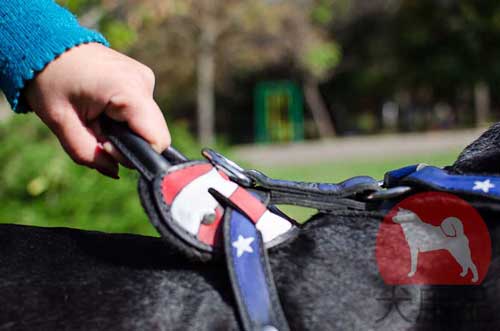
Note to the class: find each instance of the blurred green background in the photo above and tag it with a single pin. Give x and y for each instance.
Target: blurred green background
(42, 186)
(362, 68)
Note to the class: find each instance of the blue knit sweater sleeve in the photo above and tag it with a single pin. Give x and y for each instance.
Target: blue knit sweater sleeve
(32, 34)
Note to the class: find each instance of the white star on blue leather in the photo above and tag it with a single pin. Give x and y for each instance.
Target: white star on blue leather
(243, 245)
(484, 186)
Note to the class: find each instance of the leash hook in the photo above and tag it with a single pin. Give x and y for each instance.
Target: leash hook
(234, 171)
(389, 193)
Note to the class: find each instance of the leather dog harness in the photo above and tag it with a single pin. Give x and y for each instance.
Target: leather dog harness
(215, 209)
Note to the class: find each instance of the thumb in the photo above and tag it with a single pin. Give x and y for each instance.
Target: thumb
(144, 118)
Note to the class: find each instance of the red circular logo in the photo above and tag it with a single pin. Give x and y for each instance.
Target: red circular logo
(433, 238)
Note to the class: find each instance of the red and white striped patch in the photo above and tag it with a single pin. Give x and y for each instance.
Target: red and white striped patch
(186, 192)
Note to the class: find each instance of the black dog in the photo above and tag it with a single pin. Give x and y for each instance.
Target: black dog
(327, 278)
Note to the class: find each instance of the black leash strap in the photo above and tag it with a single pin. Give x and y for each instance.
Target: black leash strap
(135, 149)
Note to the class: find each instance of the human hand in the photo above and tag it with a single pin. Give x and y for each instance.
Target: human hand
(74, 89)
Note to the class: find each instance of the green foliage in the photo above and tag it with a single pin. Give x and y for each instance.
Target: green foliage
(78, 6)
(184, 141)
(40, 185)
(120, 35)
(322, 57)
(328, 12)
(322, 13)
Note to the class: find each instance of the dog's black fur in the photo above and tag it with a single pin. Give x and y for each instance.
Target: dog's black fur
(327, 279)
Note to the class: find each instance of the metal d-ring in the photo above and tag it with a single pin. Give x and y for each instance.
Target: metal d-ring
(233, 170)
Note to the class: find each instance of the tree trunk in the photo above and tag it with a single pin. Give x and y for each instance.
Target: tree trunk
(318, 108)
(206, 76)
(482, 102)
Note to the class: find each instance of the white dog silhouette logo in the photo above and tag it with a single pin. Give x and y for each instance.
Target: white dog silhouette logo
(424, 237)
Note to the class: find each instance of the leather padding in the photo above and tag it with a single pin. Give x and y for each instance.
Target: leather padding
(165, 226)
(159, 212)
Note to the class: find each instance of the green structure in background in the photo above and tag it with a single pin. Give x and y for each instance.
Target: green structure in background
(279, 112)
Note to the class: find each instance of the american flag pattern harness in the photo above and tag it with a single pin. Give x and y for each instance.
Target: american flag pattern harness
(215, 209)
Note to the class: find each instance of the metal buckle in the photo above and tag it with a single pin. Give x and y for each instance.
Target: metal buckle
(389, 193)
(236, 173)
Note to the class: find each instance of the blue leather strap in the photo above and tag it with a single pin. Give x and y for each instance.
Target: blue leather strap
(393, 177)
(250, 274)
(438, 179)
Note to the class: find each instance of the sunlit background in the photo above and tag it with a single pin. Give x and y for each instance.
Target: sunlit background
(301, 89)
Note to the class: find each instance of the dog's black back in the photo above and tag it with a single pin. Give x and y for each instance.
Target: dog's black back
(327, 279)
(56, 279)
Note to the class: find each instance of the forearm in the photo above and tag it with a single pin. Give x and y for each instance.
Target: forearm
(32, 34)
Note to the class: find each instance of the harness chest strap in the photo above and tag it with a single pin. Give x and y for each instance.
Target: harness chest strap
(320, 196)
(434, 178)
(249, 271)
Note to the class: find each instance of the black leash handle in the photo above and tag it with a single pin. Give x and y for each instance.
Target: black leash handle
(174, 156)
(136, 150)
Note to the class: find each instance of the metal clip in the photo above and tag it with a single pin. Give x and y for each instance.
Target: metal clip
(235, 172)
(390, 193)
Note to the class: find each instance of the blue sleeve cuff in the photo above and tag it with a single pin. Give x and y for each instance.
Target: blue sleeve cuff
(32, 34)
